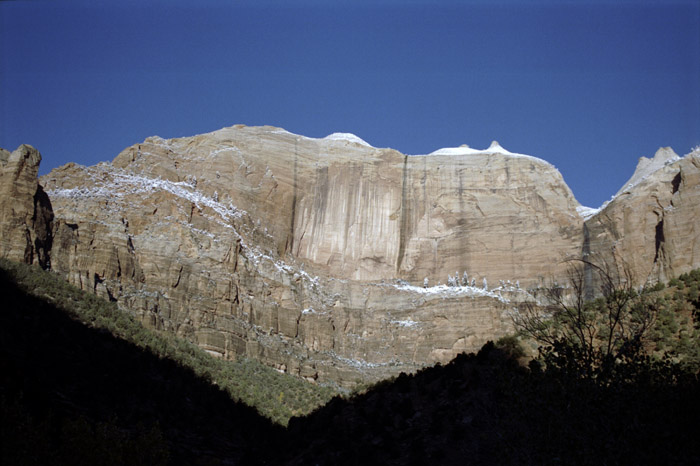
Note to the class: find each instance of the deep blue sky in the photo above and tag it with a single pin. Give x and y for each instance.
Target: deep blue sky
(587, 86)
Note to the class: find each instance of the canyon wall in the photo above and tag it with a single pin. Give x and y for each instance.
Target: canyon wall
(329, 258)
(352, 211)
(650, 229)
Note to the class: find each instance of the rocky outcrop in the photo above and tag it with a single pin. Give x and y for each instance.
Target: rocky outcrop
(25, 209)
(650, 230)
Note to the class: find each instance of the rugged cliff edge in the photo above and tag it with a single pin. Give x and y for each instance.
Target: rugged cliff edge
(650, 229)
(312, 254)
(25, 209)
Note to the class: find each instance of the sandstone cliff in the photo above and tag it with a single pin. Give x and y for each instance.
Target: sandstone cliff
(311, 254)
(326, 257)
(25, 210)
(650, 229)
(352, 211)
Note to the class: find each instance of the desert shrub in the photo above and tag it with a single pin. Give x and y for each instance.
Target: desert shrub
(675, 282)
(511, 346)
(617, 336)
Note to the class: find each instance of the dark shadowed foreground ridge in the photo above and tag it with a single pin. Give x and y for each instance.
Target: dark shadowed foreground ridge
(71, 394)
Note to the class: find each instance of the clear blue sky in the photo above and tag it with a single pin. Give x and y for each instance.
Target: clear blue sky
(587, 86)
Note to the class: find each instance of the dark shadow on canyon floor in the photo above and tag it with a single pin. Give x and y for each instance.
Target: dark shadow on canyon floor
(70, 394)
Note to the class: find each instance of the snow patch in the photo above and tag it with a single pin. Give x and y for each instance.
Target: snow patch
(493, 149)
(224, 149)
(349, 137)
(408, 323)
(280, 131)
(587, 212)
(462, 150)
(357, 363)
(450, 291)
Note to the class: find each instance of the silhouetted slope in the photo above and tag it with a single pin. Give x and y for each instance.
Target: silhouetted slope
(70, 394)
(74, 395)
(485, 409)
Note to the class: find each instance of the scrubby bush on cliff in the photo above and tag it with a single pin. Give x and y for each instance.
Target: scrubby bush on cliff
(621, 334)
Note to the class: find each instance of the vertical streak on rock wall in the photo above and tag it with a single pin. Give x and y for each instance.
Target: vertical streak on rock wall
(659, 238)
(290, 237)
(403, 233)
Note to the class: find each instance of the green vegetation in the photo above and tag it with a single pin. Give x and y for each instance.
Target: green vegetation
(677, 332)
(276, 396)
(623, 334)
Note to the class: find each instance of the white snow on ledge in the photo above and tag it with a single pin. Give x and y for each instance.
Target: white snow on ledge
(408, 323)
(587, 212)
(451, 291)
(493, 149)
(349, 137)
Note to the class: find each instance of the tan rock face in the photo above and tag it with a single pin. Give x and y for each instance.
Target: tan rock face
(356, 212)
(25, 210)
(311, 254)
(652, 226)
(289, 249)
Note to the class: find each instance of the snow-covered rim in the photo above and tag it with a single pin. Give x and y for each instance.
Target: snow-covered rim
(494, 149)
(349, 137)
(635, 180)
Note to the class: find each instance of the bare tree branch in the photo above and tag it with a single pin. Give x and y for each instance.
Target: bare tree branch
(599, 332)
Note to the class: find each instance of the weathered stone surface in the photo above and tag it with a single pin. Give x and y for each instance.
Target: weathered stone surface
(310, 254)
(289, 249)
(651, 227)
(25, 210)
(352, 211)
